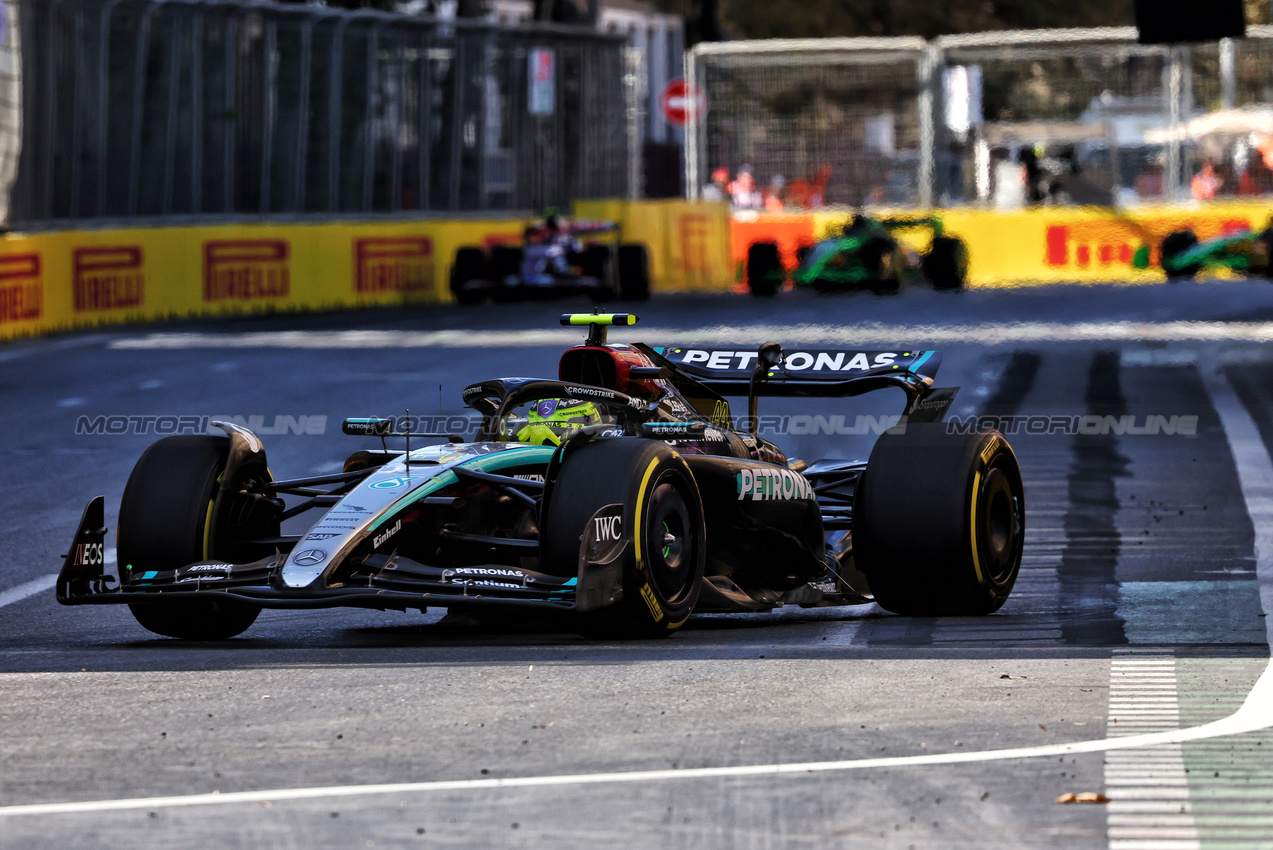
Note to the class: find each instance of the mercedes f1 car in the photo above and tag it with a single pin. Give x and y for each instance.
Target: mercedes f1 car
(865, 255)
(557, 258)
(620, 494)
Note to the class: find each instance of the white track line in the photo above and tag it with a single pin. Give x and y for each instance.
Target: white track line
(1255, 714)
(795, 334)
(31, 588)
(1148, 776)
(1255, 475)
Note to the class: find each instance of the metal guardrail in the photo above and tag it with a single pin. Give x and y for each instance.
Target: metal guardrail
(139, 109)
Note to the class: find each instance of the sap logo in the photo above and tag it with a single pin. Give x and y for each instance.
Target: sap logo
(608, 527)
(380, 539)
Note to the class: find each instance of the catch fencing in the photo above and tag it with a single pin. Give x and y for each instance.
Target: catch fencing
(149, 109)
(999, 120)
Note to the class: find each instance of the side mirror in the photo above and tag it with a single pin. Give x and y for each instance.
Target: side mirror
(769, 356)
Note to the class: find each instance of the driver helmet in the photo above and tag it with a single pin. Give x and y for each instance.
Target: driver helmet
(552, 419)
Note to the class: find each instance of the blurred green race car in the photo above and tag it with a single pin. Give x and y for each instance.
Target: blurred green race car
(1183, 256)
(866, 255)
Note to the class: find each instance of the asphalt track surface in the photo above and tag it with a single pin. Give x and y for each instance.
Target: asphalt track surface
(1138, 612)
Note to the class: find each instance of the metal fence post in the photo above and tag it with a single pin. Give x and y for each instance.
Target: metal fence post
(139, 92)
(1175, 72)
(695, 138)
(1227, 73)
(334, 114)
(77, 122)
(302, 124)
(634, 76)
(928, 103)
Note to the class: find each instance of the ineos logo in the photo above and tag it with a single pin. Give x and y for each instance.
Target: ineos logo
(89, 554)
(309, 557)
(608, 527)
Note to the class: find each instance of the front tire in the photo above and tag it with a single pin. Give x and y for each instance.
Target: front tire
(764, 269)
(165, 522)
(939, 521)
(665, 555)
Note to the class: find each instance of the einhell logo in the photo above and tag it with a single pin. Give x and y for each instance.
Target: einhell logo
(1088, 244)
(21, 292)
(246, 270)
(108, 278)
(393, 264)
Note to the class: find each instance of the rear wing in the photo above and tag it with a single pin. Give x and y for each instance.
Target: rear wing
(806, 371)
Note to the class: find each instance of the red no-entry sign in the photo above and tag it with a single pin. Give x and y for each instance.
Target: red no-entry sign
(678, 101)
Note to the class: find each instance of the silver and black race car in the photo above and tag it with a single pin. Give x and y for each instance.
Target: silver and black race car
(621, 494)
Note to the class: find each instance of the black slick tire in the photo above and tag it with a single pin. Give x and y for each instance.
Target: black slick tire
(665, 555)
(470, 264)
(764, 269)
(939, 521)
(945, 265)
(634, 273)
(1173, 245)
(165, 521)
(596, 263)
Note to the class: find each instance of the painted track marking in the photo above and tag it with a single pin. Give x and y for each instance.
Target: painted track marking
(1146, 780)
(29, 589)
(723, 335)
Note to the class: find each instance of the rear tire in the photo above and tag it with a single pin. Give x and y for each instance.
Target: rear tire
(945, 265)
(634, 273)
(662, 519)
(764, 269)
(165, 522)
(506, 260)
(470, 264)
(596, 263)
(939, 521)
(1173, 246)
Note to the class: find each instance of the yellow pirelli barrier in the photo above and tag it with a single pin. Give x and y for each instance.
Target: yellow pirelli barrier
(1033, 246)
(688, 241)
(80, 278)
(67, 279)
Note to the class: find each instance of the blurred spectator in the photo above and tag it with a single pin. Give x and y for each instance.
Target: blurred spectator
(718, 189)
(1228, 179)
(743, 191)
(1206, 182)
(809, 193)
(1149, 181)
(1257, 179)
(773, 195)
